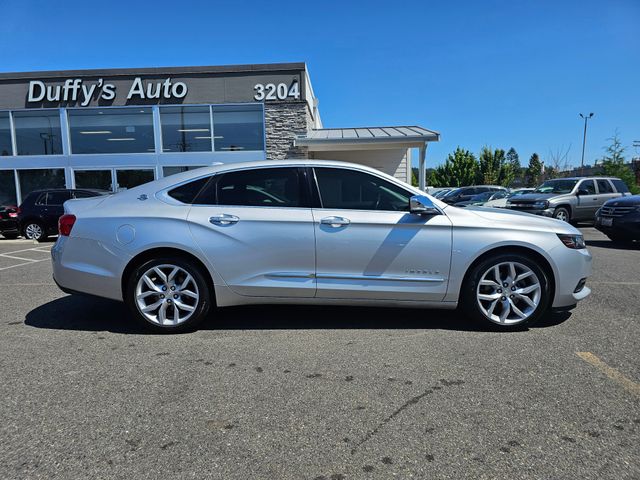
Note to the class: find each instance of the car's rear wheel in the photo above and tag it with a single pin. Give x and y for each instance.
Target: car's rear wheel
(168, 295)
(34, 231)
(509, 291)
(561, 213)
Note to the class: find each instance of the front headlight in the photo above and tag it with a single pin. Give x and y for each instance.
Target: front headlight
(544, 204)
(572, 241)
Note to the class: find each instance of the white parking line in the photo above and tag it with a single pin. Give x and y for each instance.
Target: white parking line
(25, 261)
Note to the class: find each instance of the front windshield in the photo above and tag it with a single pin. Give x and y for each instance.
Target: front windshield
(556, 186)
(452, 192)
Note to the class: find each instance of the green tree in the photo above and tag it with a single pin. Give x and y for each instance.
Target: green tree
(534, 171)
(613, 163)
(513, 159)
(459, 170)
(494, 168)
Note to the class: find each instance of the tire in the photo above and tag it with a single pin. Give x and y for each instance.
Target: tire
(34, 230)
(561, 213)
(498, 299)
(181, 312)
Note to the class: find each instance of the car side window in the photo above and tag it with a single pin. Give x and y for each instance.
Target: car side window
(57, 198)
(604, 186)
(83, 195)
(353, 190)
(621, 187)
(260, 187)
(188, 192)
(589, 186)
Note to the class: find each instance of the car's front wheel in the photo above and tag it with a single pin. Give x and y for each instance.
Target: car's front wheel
(509, 291)
(561, 213)
(168, 295)
(34, 231)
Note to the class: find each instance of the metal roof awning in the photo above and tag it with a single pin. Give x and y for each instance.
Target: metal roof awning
(373, 137)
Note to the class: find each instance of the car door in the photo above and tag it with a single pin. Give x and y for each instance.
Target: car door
(587, 200)
(255, 226)
(54, 208)
(605, 191)
(368, 245)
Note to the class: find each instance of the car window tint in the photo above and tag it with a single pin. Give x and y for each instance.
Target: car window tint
(83, 194)
(187, 193)
(620, 186)
(604, 186)
(589, 186)
(260, 187)
(57, 198)
(352, 190)
(42, 199)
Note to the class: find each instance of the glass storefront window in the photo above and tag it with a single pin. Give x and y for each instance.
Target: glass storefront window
(185, 129)
(5, 135)
(111, 130)
(238, 127)
(132, 178)
(7, 188)
(167, 171)
(100, 179)
(31, 180)
(38, 132)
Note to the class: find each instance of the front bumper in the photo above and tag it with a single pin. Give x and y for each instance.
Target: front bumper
(627, 226)
(546, 212)
(573, 266)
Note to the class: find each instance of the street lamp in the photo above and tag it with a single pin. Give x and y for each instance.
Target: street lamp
(584, 140)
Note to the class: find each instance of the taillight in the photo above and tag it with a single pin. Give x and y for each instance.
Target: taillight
(13, 214)
(65, 224)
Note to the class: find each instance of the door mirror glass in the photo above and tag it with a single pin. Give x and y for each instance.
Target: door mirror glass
(422, 205)
(583, 191)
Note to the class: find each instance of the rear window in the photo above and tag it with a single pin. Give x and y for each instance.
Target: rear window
(620, 185)
(188, 192)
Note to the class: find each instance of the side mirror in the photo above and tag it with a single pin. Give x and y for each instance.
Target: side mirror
(583, 191)
(421, 205)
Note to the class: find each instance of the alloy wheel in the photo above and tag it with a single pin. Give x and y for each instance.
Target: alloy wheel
(167, 295)
(33, 231)
(509, 293)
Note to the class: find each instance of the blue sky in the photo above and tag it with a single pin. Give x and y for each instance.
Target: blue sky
(497, 73)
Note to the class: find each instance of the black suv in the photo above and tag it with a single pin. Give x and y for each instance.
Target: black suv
(464, 194)
(39, 213)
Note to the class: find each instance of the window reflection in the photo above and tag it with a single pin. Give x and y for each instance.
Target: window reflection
(7, 188)
(185, 129)
(238, 127)
(37, 179)
(38, 132)
(5, 135)
(112, 130)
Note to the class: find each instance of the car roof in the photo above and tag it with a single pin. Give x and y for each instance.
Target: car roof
(585, 178)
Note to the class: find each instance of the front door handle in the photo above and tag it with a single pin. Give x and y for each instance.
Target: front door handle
(335, 222)
(223, 219)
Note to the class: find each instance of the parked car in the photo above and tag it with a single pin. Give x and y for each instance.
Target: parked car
(440, 192)
(9, 222)
(499, 199)
(570, 199)
(312, 232)
(480, 199)
(463, 194)
(619, 219)
(39, 213)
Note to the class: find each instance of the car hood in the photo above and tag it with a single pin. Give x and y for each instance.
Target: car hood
(514, 219)
(629, 201)
(533, 197)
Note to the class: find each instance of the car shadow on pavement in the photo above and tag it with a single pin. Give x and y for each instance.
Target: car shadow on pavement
(613, 245)
(84, 313)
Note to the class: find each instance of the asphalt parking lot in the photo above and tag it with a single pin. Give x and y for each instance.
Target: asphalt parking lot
(317, 393)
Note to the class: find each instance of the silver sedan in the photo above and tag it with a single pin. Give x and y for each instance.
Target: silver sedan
(312, 232)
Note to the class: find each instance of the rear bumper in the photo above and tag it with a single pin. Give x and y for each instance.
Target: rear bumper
(88, 266)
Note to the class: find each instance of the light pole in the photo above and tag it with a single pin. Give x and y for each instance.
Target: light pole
(584, 140)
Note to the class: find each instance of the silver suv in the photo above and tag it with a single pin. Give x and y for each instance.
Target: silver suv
(570, 199)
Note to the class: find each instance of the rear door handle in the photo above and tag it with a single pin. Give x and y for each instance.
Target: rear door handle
(335, 222)
(223, 219)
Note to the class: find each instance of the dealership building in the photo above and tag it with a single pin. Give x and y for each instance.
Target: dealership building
(115, 129)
